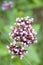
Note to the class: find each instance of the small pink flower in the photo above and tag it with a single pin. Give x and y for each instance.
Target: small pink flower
(7, 5)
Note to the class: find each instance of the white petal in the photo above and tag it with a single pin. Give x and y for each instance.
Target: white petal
(14, 42)
(20, 52)
(27, 17)
(18, 23)
(12, 57)
(9, 51)
(10, 37)
(12, 52)
(9, 33)
(17, 19)
(27, 22)
(35, 41)
(12, 27)
(7, 46)
(10, 43)
(22, 48)
(25, 44)
(22, 23)
(26, 52)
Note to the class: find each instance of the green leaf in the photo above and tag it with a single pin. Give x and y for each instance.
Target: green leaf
(32, 56)
(36, 27)
(3, 49)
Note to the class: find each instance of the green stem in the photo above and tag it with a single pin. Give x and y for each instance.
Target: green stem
(27, 61)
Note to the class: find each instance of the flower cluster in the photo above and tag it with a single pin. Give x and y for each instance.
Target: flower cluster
(23, 33)
(6, 5)
(16, 50)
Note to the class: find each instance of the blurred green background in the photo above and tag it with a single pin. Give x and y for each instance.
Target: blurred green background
(32, 8)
